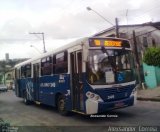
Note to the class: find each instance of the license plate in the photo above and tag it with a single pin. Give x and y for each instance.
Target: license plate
(119, 104)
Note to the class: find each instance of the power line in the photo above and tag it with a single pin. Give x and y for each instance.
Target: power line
(144, 33)
(142, 15)
(149, 10)
(134, 29)
(10, 39)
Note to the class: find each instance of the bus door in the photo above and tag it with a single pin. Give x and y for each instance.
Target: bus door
(17, 82)
(36, 81)
(76, 80)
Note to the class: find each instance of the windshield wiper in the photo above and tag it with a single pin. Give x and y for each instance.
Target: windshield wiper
(104, 50)
(110, 58)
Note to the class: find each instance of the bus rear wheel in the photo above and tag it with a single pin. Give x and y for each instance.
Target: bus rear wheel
(61, 105)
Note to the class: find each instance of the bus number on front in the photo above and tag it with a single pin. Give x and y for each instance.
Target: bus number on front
(110, 97)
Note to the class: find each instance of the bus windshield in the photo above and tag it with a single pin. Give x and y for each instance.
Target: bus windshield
(113, 67)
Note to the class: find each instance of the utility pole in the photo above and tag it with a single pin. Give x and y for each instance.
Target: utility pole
(135, 47)
(117, 28)
(44, 48)
(137, 58)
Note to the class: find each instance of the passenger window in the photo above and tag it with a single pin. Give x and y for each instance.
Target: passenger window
(46, 66)
(61, 65)
(23, 73)
(26, 71)
(54, 64)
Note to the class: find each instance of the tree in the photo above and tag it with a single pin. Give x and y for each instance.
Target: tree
(3, 69)
(152, 56)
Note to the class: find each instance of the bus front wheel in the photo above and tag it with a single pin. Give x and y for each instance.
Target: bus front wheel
(61, 105)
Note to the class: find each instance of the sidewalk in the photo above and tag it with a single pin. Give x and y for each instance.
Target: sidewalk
(149, 94)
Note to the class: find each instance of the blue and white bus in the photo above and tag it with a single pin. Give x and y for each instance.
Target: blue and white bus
(88, 76)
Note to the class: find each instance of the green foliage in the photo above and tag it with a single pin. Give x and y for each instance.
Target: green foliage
(4, 126)
(152, 56)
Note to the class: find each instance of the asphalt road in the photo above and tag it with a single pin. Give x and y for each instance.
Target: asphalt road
(14, 111)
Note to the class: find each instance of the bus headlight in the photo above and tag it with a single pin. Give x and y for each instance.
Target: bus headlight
(134, 91)
(93, 96)
(97, 97)
(134, 94)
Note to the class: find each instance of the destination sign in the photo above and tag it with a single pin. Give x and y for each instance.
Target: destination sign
(113, 43)
(107, 42)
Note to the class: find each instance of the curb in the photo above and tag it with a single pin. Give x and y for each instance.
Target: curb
(148, 99)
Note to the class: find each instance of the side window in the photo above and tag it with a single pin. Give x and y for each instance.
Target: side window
(46, 66)
(26, 71)
(61, 61)
(23, 72)
(54, 64)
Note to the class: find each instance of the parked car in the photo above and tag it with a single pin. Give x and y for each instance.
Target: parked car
(3, 88)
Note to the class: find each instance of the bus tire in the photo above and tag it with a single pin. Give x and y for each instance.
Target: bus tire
(25, 100)
(61, 105)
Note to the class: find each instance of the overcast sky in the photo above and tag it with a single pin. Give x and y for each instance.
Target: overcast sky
(63, 21)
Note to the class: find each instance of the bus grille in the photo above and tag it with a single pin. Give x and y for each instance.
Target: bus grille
(113, 94)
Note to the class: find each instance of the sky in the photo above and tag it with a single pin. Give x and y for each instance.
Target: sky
(63, 21)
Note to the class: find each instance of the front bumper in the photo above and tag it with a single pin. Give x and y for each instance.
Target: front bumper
(93, 107)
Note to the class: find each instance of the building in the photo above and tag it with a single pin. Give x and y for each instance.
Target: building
(9, 78)
(147, 35)
(7, 57)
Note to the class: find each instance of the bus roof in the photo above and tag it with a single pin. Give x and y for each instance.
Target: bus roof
(74, 43)
(69, 45)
